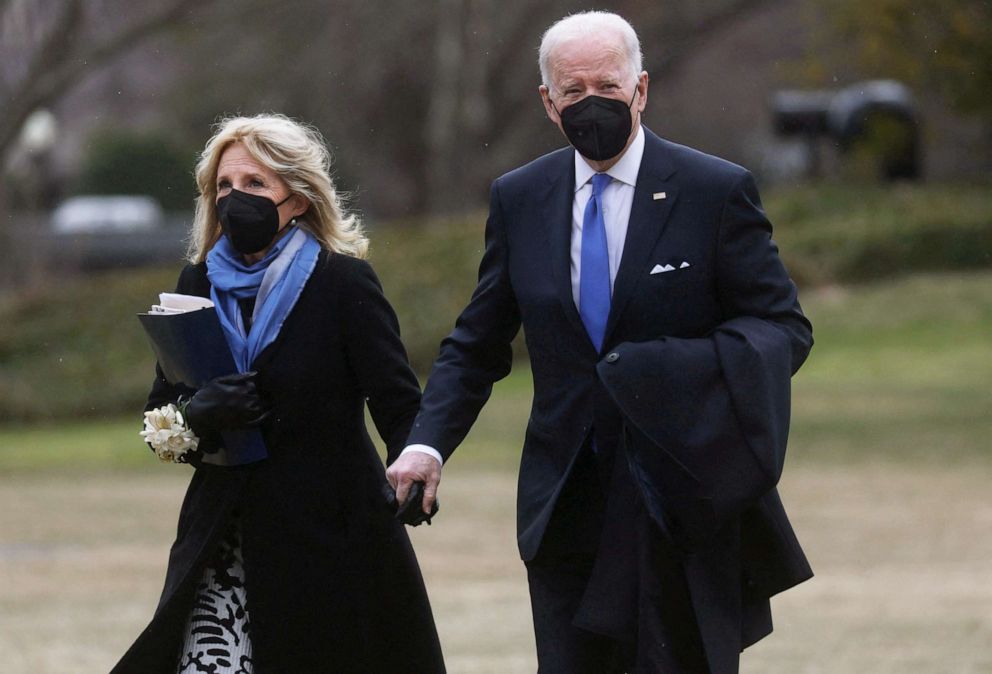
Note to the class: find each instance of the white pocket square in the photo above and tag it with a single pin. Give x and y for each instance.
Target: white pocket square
(659, 268)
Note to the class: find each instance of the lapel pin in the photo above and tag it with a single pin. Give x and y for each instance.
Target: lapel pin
(659, 195)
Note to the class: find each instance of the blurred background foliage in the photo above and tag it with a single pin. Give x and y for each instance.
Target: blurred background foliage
(73, 349)
(940, 46)
(424, 104)
(129, 162)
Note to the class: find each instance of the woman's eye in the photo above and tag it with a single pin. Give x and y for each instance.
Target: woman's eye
(223, 185)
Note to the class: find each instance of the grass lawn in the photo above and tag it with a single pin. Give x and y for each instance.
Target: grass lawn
(901, 553)
(900, 370)
(887, 485)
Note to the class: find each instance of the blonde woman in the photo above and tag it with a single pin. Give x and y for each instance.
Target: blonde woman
(294, 563)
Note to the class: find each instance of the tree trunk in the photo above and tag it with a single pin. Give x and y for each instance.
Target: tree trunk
(442, 119)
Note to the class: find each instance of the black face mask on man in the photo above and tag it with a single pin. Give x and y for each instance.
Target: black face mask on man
(250, 221)
(597, 127)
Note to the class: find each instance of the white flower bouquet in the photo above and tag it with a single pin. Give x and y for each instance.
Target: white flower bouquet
(167, 433)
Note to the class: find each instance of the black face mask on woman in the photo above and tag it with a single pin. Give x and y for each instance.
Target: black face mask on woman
(597, 127)
(250, 221)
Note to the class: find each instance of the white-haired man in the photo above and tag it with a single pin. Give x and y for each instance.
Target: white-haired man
(662, 330)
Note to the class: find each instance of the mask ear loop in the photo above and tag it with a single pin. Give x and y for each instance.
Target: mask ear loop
(292, 220)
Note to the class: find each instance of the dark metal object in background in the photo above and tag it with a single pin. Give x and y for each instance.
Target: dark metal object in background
(880, 116)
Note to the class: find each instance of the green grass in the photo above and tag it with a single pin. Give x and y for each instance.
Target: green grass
(75, 348)
(900, 370)
(76, 446)
(844, 233)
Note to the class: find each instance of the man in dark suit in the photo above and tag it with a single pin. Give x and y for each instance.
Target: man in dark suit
(662, 330)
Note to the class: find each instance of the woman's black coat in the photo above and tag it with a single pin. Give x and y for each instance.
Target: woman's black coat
(331, 579)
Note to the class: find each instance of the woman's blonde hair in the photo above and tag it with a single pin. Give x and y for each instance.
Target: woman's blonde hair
(297, 153)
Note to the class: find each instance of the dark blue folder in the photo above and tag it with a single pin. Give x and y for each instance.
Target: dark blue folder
(191, 350)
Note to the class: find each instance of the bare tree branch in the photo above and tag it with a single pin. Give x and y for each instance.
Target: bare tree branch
(57, 46)
(53, 51)
(710, 24)
(57, 67)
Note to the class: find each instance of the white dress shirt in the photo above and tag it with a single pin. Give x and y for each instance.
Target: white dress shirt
(617, 199)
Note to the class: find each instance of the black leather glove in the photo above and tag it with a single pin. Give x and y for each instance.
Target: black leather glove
(226, 403)
(412, 510)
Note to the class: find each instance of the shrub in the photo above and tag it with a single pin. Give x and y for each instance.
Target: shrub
(124, 162)
(74, 349)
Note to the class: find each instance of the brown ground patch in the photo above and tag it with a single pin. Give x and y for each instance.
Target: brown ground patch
(903, 555)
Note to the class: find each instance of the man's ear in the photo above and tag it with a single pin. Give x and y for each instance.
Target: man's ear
(549, 109)
(642, 90)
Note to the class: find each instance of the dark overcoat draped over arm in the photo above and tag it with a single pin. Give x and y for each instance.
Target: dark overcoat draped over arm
(332, 583)
(707, 422)
(705, 426)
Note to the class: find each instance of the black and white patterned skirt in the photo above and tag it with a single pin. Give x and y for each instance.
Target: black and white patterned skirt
(217, 638)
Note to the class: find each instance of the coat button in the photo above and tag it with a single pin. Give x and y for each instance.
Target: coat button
(612, 357)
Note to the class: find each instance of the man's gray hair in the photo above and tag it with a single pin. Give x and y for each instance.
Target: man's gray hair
(585, 25)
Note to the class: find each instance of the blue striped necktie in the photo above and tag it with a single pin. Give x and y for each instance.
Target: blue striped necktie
(594, 273)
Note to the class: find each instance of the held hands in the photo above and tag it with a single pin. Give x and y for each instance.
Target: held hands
(226, 403)
(411, 511)
(413, 467)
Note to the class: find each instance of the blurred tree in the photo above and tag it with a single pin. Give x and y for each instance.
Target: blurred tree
(424, 103)
(49, 46)
(125, 162)
(942, 46)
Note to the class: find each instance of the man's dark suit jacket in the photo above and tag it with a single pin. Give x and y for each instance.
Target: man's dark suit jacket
(692, 386)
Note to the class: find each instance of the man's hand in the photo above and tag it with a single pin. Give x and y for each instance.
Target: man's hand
(415, 467)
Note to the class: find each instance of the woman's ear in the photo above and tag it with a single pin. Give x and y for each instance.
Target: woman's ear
(300, 205)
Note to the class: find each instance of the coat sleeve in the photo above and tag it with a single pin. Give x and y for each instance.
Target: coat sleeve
(191, 281)
(751, 280)
(477, 353)
(378, 358)
(707, 418)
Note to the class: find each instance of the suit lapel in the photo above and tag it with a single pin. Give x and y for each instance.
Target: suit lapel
(558, 226)
(648, 217)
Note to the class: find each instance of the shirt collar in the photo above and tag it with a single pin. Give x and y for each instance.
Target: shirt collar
(624, 170)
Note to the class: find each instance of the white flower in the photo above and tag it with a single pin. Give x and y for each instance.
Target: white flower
(167, 433)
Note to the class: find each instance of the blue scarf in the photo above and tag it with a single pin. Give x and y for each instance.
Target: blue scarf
(275, 281)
